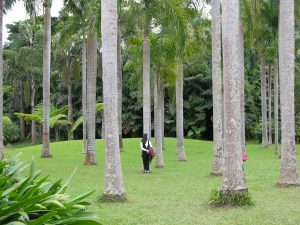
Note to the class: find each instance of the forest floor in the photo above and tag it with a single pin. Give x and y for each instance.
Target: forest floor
(178, 193)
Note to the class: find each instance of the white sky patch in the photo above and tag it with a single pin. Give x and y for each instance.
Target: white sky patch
(17, 13)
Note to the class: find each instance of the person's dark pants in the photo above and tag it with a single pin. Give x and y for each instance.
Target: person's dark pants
(146, 160)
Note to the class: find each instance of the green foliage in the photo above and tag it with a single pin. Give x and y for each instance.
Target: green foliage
(34, 201)
(57, 116)
(11, 133)
(219, 198)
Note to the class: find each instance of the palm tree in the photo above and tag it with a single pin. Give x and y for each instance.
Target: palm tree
(1, 81)
(288, 170)
(91, 93)
(270, 105)
(146, 73)
(46, 153)
(113, 188)
(233, 175)
(217, 87)
(179, 112)
(84, 96)
(276, 101)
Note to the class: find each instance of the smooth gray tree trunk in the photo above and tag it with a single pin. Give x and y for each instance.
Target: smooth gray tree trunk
(120, 81)
(70, 106)
(84, 99)
(233, 174)
(270, 106)
(276, 102)
(46, 153)
(32, 105)
(217, 89)
(91, 97)
(263, 101)
(22, 121)
(179, 112)
(163, 114)
(288, 169)
(113, 185)
(146, 76)
(1, 80)
(157, 121)
(242, 87)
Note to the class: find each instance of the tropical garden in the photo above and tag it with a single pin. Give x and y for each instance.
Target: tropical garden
(214, 84)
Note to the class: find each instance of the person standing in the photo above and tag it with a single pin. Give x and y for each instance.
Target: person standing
(145, 146)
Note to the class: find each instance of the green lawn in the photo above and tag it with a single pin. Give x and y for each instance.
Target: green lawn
(178, 193)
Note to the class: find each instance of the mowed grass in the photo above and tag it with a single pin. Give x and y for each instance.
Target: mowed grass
(178, 193)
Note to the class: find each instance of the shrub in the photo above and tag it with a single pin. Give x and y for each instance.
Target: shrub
(219, 198)
(33, 200)
(11, 133)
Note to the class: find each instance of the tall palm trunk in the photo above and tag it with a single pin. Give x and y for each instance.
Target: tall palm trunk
(84, 90)
(157, 121)
(32, 105)
(70, 105)
(179, 112)
(270, 106)
(276, 101)
(163, 114)
(242, 87)
(22, 122)
(113, 188)
(1, 81)
(233, 175)
(288, 170)
(46, 153)
(263, 101)
(91, 97)
(146, 75)
(120, 87)
(217, 89)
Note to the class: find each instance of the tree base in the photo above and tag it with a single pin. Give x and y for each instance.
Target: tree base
(182, 160)
(280, 185)
(216, 174)
(90, 159)
(220, 198)
(113, 198)
(159, 166)
(46, 156)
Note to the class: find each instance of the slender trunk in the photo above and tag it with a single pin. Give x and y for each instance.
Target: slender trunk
(146, 76)
(46, 153)
(179, 112)
(270, 105)
(22, 122)
(1, 81)
(32, 104)
(103, 127)
(276, 101)
(91, 97)
(242, 87)
(119, 83)
(263, 101)
(233, 174)
(217, 89)
(70, 107)
(84, 89)
(114, 187)
(163, 115)
(157, 122)
(57, 133)
(288, 170)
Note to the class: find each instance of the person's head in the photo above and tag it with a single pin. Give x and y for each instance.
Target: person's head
(144, 138)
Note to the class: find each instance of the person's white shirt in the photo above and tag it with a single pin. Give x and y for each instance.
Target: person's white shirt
(148, 144)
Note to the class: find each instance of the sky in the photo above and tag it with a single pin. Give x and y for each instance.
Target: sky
(18, 13)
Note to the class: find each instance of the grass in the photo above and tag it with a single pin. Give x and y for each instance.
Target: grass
(177, 194)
